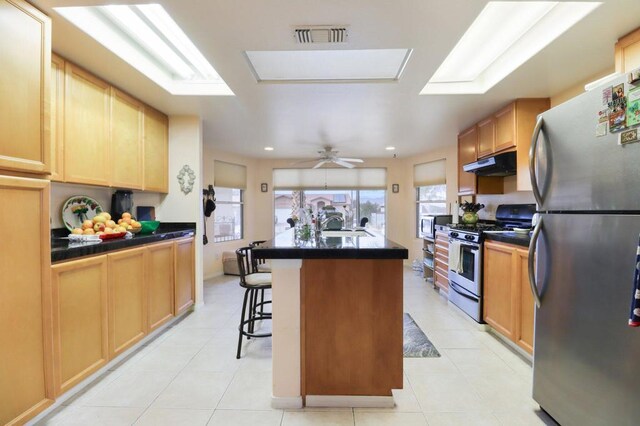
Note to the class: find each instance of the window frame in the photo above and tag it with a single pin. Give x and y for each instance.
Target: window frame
(420, 201)
(230, 203)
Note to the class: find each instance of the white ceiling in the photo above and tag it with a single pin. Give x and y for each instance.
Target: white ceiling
(358, 119)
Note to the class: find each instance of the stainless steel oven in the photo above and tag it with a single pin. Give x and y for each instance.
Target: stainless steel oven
(465, 281)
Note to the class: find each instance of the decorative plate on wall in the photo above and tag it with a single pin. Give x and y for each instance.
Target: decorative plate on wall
(77, 209)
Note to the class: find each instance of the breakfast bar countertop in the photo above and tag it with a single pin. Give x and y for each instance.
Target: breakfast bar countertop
(286, 246)
(62, 249)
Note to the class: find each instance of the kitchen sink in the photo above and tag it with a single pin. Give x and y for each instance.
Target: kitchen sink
(346, 233)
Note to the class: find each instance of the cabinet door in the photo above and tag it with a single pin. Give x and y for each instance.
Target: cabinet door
(627, 52)
(526, 305)
(499, 294)
(467, 143)
(156, 151)
(86, 128)
(505, 128)
(442, 261)
(80, 320)
(26, 379)
(486, 137)
(185, 274)
(127, 299)
(160, 279)
(126, 141)
(25, 55)
(57, 118)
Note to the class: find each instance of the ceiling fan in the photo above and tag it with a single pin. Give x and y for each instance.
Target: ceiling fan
(331, 156)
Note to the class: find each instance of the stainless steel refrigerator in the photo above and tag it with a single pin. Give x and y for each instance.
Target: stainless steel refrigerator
(586, 358)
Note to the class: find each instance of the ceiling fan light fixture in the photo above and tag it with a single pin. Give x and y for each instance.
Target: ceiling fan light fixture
(390, 148)
(268, 148)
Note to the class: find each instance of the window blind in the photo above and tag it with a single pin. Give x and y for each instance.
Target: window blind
(229, 175)
(342, 178)
(431, 173)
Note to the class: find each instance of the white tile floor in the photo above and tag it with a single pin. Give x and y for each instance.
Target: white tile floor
(189, 376)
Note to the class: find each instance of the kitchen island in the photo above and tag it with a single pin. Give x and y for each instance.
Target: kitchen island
(337, 320)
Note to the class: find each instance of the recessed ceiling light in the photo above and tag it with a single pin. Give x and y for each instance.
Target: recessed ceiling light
(148, 39)
(390, 148)
(268, 148)
(328, 65)
(504, 36)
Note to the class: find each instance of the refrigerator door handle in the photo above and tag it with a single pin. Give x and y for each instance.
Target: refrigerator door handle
(532, 160)
(531, 262)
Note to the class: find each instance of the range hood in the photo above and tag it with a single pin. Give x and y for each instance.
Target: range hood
(498, 165)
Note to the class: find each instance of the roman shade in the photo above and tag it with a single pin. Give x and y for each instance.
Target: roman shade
(359, 178)
(229, 175)
(431, 173)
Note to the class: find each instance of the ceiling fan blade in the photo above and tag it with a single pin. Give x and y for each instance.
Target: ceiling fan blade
(353, 160)
(305, 161)
(320, 164)
(344, 163)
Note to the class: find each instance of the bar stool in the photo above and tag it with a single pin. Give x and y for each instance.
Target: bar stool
(260, 263)
(253, 281)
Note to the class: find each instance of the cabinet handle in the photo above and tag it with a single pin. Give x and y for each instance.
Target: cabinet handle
(531, 263)
(532, 161)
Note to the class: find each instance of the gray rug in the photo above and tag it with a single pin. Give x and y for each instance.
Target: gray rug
(416, 344)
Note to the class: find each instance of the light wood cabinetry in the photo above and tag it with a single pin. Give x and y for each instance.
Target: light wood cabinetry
(80, 301)
(185, 274)
(26, 367)
(441, 270)
(486, 137)
(57, 118)
(156, 150)
(160, 283)
(86, 128)
(469, 183)
(127, 299)
(508, 303)
(25, 48)
(126, 141)
(627, 52)
(505, 137)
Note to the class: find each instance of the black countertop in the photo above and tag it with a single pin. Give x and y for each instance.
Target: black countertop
(284, 246)
(510, 237)
(62, 249)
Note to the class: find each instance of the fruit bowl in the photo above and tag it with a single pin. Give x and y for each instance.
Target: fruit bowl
(149, 226)
(111, 236)
(134, 230)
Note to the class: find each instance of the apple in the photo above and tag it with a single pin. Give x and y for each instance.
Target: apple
(107, 215)
(99, 219)
(87, 224)
(126, 215)
(99, 227)
(108, 231)
(89, 231)
(77, 231)
(110, 224)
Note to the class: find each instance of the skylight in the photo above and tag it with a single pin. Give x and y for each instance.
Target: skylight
(504, 36)
(328, 65)
(148, 39)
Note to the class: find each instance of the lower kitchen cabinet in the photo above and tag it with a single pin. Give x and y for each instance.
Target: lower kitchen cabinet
(127, 299)
(26, 368)
(441, 271)
(508, 304)
(80, 300)
(160, 283)
(185, 274)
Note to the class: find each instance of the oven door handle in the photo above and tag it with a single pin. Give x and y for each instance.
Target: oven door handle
(453, 287)
(472, 248)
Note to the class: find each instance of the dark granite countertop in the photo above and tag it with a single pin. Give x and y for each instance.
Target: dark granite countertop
(510, 237)
(284, 246)
(62, 250)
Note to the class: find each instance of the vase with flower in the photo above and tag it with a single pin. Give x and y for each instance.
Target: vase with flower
(470, 212)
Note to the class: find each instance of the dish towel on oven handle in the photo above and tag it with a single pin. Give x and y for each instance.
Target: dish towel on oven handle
(455, 257)
(634, 319)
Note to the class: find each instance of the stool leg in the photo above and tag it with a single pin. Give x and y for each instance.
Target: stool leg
(262, 301)
(240, 328)
(252, 312)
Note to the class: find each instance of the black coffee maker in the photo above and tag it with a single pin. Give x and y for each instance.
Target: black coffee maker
(121, 202)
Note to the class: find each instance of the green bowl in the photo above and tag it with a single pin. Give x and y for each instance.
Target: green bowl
(149, 226)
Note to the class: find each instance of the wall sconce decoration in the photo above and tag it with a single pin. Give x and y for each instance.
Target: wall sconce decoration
(395, 188)
(264, 187)
(186, 186)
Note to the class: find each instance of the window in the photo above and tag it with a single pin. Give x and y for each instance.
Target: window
(227, 225)
(354, 204)
(431, 190)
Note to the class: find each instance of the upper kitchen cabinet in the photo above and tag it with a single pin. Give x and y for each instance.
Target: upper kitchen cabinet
(156, 150)
(627, 52)
(86, 128)
(57, 118)
(486, 137)
(505, 125)
(25, 55)
(126, 141)
(469, 183)
(525, 114)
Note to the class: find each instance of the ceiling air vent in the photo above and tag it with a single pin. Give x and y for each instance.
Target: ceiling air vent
(321, 34)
